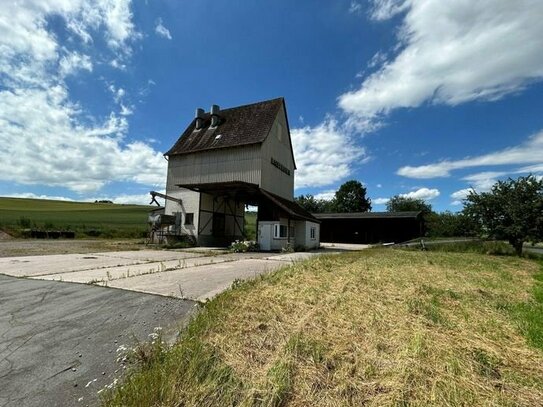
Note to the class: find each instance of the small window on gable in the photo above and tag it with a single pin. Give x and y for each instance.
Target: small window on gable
(313, 233)
(279, 231)
(189, 219)
(279, 132)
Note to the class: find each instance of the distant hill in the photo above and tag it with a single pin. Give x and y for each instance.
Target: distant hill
(87, 219)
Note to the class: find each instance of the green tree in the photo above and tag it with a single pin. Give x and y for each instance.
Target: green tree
(400, 203)
(312, 204)
(512, 211)
(351, 197)
(450, 224)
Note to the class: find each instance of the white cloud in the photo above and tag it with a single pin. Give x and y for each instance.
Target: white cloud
(483, 181)
(379, 186)
(375, 60)
(54, 149)
(119, 22)
(32, 195)
(530, 152)
(324, 154)
(385, 9)
(460, 195)
(135, 199)
(161, 30)
(73, 62)
(126, 110)
(355, 7)
(126, 199)
(118, 93)
(119, 96)
(425, 194)
(380, 201)
(450, 52)
(117, 64)
(326, 195)
(46, 138)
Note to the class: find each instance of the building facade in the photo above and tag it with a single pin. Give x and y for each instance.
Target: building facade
(227, 159)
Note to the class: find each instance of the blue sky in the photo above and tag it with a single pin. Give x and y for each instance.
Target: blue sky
(422, 98)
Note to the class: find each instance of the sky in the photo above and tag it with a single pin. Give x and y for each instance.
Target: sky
(421, 98)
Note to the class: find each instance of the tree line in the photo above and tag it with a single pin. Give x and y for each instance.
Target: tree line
(512, 210)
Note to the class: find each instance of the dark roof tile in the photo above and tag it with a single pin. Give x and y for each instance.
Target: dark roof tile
(242, 125)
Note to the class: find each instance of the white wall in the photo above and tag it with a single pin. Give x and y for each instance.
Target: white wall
(302, 235)
(309, 242)
(266, 232)
(190, 204)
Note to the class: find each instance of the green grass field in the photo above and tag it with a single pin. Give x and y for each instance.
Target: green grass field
(375, 328)
(250, 225)
(86, 219)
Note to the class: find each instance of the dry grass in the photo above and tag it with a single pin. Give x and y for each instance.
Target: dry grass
(373, 328)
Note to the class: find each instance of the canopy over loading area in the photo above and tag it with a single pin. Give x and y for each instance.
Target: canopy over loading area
(370, 227)
(270, 206)
(219, 211)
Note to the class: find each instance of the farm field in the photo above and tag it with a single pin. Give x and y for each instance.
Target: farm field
(377, 327)
(86, 219)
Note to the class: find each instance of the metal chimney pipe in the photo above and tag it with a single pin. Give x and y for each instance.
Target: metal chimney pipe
(215, 118)
(199, 118)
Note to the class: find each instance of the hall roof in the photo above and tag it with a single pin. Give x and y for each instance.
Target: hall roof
(368, 215)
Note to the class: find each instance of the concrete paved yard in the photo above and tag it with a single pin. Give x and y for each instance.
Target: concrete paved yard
(196, 275)
(59, 341)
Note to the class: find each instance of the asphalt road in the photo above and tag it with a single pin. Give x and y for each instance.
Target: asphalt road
(59, 341)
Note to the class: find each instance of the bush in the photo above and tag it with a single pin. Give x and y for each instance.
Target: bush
(24, 223)
(180, 242)
(242, 246)
(93, 232)
(449, 224)
(492, 247)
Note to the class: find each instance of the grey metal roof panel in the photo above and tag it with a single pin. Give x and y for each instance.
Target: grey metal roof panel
(291, 207)
(367, 215)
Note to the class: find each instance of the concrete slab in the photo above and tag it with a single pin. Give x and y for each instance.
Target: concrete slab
(151, 255)
(298, 256)
(342, 247)
(59, 341)
(108, 274)
(198, 283)
(64, 263)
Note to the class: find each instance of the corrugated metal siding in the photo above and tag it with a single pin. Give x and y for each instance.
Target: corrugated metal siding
(229, 164)
(277, 145)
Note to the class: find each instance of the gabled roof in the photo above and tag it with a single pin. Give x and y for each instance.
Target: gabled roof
(368, 215)
(239, 126)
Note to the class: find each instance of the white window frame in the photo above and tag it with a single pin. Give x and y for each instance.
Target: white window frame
(277, 228)
(313, 233)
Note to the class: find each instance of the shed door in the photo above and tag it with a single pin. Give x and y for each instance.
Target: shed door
(219, 224)
(264, 236)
